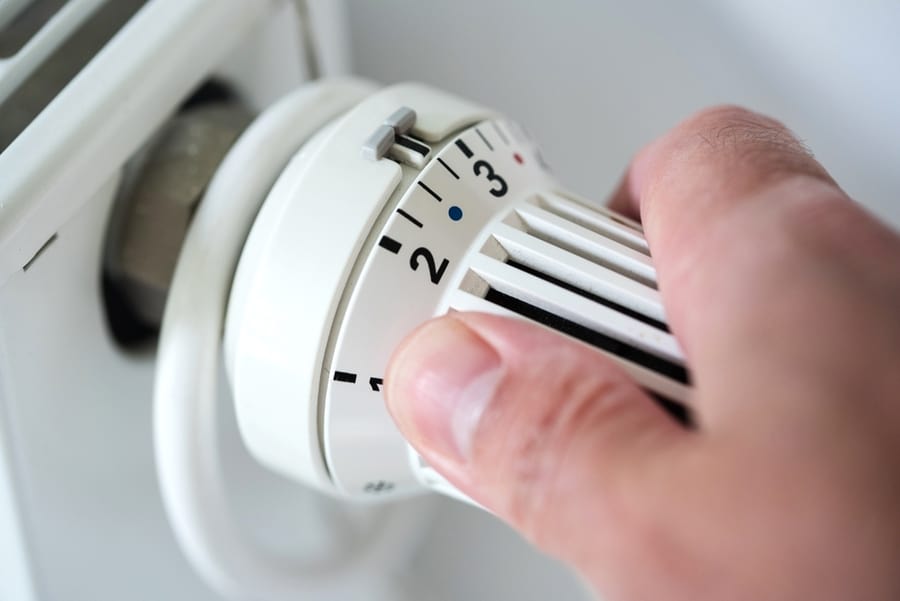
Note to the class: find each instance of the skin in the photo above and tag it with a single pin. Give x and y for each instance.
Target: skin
(785, 296)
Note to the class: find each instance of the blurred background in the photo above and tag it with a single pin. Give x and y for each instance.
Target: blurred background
(596, 80)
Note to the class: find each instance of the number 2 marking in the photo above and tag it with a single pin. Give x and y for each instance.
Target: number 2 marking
(434, 272)
(482, 166)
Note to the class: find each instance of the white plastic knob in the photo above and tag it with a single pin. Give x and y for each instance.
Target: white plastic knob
(370, 231)
(401, 204)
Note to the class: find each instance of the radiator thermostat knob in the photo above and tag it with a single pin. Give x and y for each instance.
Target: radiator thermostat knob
(413, 203)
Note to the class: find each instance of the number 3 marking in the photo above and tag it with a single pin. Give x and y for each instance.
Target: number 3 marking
(484, 167)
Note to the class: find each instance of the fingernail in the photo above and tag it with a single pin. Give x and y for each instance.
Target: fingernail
(439, 384)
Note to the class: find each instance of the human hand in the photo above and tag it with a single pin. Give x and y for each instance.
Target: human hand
(785, 297)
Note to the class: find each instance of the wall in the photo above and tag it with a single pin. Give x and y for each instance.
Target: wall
(595, 80)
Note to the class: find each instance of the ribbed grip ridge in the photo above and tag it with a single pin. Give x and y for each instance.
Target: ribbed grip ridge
(587, 273)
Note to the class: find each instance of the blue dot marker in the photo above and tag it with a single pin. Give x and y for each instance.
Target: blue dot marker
(455, 213)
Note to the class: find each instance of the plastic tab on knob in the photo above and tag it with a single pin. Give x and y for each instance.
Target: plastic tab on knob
(378, 143)
(401, 120)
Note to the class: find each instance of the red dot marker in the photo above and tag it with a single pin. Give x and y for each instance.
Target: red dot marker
(518, 158)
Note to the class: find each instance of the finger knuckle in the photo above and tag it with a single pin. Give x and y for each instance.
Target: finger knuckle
(764, 145)
(731, 127)
(737, 119)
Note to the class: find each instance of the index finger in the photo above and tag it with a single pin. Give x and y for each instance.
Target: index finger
(717, 197)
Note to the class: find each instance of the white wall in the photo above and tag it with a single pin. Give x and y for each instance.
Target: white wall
(595, 80)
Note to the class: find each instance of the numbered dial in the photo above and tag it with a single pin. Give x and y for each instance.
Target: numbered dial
(414, 203)
(414, 260)
(481, 228)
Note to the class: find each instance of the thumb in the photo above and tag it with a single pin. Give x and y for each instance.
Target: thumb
(544, 431)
